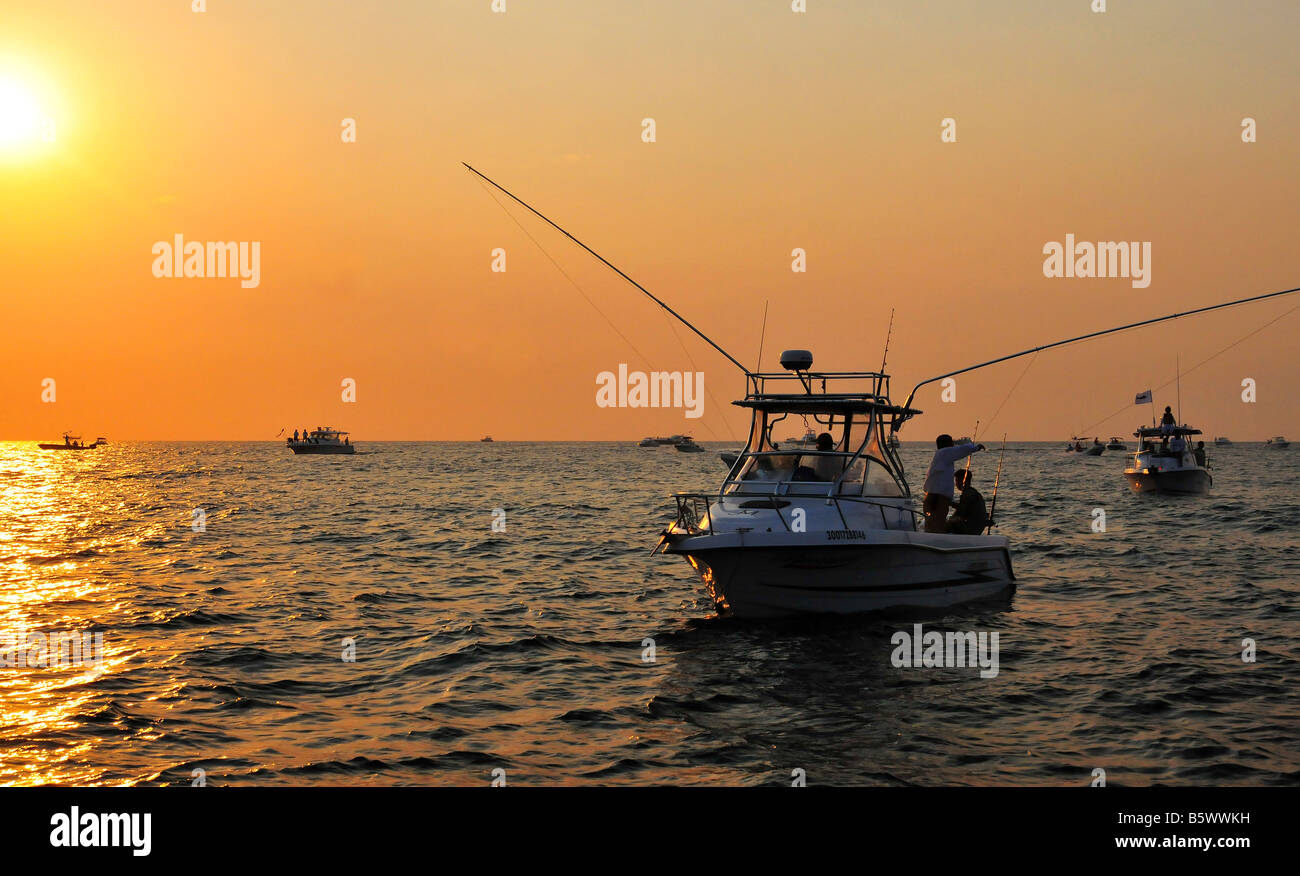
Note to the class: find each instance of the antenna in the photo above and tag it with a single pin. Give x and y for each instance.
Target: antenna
(762, 337)
(609, 265)
(1178, 377)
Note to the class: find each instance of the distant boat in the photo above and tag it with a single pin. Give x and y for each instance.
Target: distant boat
(649, 442)
(809, 440)
(72, 442)
(1157, 467)
(322, 441)
(1278, 443)
(485, 438)
(1223, 442)
(894, 442)
(687, 445)
(1094, 449)
(1116, 444)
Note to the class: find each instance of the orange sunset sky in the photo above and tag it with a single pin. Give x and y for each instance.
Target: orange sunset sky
(774, 130)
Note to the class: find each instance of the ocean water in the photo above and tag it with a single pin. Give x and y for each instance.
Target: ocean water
(522, 650)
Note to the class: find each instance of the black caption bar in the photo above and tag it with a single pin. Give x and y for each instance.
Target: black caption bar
(144, 825)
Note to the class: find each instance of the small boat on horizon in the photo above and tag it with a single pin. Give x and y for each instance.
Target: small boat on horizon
(808, 440)
(72, 442)
(1222, 442)
(1078, 446)
(1116, 444)
(687, 445)
(321, 441)
(1277, 443)
(485, 439)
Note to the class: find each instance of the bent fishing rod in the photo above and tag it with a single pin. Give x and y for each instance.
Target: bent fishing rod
(608, 264)
(1132, 325)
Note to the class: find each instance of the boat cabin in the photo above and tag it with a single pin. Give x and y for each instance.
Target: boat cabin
(851, 454)
(1165, 447)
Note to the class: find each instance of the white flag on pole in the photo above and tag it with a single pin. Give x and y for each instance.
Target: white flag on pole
(1143, 398)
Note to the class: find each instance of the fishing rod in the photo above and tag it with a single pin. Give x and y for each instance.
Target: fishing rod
(609, 265)
(888, 334)
(912, 394)
(997, 480)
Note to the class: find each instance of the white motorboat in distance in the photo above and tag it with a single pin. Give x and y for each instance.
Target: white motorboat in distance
(1278, 443)
(799, 531)
(1116, 444)
(322, 441)
(1166, 463)
(809, 440)
(687, 445)
(1222, 442)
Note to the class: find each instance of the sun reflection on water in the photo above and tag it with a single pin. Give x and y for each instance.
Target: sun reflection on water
(51, 522)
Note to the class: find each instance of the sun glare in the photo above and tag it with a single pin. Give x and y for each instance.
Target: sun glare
(21, 120)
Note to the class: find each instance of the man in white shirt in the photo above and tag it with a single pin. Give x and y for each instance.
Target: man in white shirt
(939, 481)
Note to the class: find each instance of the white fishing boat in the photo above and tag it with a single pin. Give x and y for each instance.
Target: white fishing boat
(1277, 443)
(1222, 442)
(1165, 462)
(797, 531)
(321, 441)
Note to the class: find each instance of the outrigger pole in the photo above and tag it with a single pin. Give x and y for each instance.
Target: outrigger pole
(1121, 328)
(609, 265)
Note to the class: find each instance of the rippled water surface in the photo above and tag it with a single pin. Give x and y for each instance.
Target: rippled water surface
(223, 650)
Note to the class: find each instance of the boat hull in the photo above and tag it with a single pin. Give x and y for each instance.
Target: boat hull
(65, 447)
(323, 449)
(914, 570)
(1190, 481)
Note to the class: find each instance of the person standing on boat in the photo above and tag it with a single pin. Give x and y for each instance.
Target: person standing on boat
(1199, 453)
(972, 515)
(939, 481)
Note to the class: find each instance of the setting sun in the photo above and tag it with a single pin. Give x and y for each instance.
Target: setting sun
(20, 114)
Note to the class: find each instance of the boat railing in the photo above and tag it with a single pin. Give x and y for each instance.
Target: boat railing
(871, 384)
(694, 508)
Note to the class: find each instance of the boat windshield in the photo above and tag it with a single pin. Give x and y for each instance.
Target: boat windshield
(859, 466)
